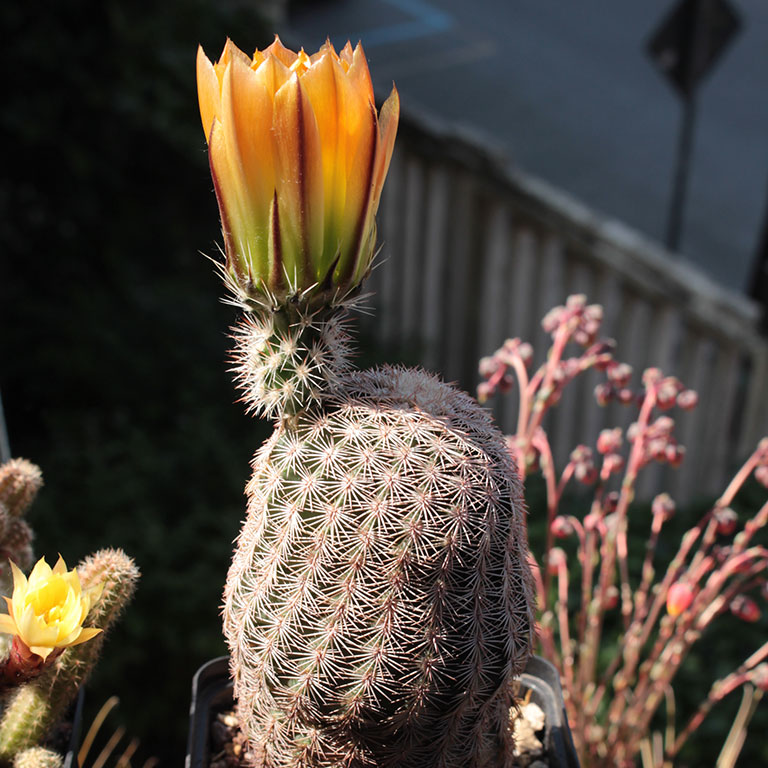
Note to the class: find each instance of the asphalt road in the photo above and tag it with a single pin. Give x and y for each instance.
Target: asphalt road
(568, 90)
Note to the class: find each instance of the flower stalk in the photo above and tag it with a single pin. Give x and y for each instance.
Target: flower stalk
(611, 703)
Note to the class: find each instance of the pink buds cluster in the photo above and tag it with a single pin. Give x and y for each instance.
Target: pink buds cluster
(659, 444)
(498, 369)
(583, 461)
(581, 319)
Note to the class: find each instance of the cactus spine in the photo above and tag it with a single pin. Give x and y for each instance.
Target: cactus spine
(37, 705)
(379, 600)
(38, 757)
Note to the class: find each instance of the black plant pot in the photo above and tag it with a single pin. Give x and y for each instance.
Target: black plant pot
(212, 691)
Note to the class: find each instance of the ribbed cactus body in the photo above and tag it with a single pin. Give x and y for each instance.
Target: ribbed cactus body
(379, 601)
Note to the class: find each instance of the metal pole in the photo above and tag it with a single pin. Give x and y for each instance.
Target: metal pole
(5, 446)
(680, 184)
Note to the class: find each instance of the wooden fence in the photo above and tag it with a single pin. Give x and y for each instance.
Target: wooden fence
(474, 253)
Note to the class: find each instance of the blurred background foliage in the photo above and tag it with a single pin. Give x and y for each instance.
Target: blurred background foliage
(113, 343)
(112, 339)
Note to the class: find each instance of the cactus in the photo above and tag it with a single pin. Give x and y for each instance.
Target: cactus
(20, 481)
(379, 601)
(38, 757)
(37, 705)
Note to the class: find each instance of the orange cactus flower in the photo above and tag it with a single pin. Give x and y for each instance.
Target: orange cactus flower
(298, 156)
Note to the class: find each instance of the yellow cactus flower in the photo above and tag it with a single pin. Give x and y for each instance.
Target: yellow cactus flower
(298, 156)
(47, 610)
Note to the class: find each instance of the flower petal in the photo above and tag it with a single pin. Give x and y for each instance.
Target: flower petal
(298, 180)
(208, 91)
(8, 625)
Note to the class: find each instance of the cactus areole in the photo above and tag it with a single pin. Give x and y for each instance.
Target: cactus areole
(379, 601)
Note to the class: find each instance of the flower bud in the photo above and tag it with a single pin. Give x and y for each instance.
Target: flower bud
(745, 608)
(561, 527)
(664, 506)
(609, 440)
(687, 400)
(726, 520)
(679, 598)
(298, 156)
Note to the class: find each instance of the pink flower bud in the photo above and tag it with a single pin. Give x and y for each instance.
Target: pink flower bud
(613, 463)
(488, 366)
(611, 598)
(679, 598)
(484, 392)
(619, 374)
(609, 440)
(555, 560)
(561, 527)
(592, 521)
(687, 400)
(625, 396)
(745, 608)
(552, 319)
(664, 506)
(576, 301)
(651, 376)
(526, 353)
(759, 676)
(603, 394)
(610, 502)
(675, 455)
(727, 520)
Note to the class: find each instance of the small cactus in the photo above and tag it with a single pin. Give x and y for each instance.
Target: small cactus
(35, 706)
(38, 757)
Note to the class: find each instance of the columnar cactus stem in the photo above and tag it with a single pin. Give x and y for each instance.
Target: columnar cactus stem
(36, 706)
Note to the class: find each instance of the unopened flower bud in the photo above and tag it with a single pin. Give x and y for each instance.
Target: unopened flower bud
(613, 463)
(759, 676)
(552, 319)
(609, 440)
(525, 351)
(610, 502)
(611, 598)
(687, 400)
(556, 560)
(619, 374)
(651, 376)
(484, 391)
(675, 455)
(592, 521)
(745, 608)
(488, 366)
(561, 527)
(727, 520)
(625, 396)
(679, 598)
(603, 394)
(664, 506)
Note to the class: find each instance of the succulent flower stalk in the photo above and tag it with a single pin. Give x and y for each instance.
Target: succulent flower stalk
(298, 156)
